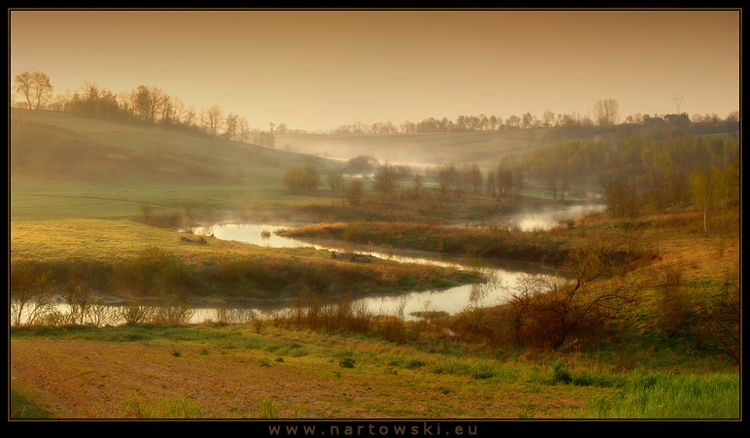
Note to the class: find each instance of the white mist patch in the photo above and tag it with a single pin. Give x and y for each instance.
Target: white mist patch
(545, 220)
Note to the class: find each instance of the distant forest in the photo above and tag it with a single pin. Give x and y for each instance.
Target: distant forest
(151, 104)
(659, 161)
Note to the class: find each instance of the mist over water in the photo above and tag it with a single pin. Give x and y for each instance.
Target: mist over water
(503, 275)
(545, 220)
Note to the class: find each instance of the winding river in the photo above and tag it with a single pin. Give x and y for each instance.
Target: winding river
(503, 275)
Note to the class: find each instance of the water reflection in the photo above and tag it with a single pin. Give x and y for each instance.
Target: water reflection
(256, 234)
(502, 275)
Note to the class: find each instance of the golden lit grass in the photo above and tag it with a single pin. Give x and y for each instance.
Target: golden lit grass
(232, 372)
(93, 239)
(229, 371)
(472, 241)
(123, 255)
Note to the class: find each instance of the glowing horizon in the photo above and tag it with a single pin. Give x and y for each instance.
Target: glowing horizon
(317, 70)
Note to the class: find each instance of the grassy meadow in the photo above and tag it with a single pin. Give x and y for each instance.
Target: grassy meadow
(482, 147)
(280, 372)
(98, 206)
(63, 166)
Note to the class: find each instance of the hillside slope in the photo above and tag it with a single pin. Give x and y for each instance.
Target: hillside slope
(65, 166)
(53, 145)
(483, 147)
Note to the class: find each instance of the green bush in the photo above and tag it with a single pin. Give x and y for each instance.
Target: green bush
(560, 373)
(347, 362)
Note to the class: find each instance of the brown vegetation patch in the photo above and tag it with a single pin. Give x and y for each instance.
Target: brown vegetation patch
(92, 380)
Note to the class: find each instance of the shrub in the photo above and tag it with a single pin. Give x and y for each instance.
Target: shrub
(560, 373)
(415, 363)
(155, 271)
(720, 318)
(299, 179)
(30, 300)
(672, 302)
(78, 297)
(135, 312)
(393, 329)
(347, 362)
(172, 313)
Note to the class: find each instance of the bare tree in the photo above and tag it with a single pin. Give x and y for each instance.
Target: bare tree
(354, 192)
(527, 121)
(702, 185)
(128, 101)
(178, 107)
(417, 184)
(244, 129)
(29, 298)
(513, 122)
(34, 86)
(607, 112)
(547, 312)
(548, 118)
(721, 316)
(232, 123)
(474, 175)
(150, 101)
(61, 101)
(335, 180)
(24, 85)
(385, 180)
(213, 119)
(448, 178)
(42, 88)
(190, 116)
(166, 111)
(78, 297)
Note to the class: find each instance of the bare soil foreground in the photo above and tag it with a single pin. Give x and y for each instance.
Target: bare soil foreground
(85, 379)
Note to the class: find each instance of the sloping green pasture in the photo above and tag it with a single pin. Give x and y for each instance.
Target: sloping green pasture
(483, 147)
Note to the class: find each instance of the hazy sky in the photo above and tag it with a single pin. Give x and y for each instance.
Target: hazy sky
(321, 69)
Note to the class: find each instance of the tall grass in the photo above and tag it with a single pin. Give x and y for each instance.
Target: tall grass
(666, 396)
(473, 241)
(25, 406)
(135, 407)
(269, 408)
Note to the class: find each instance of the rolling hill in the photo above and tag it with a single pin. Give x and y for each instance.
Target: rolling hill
(64, 166)
(52, 145)
(482, 147)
